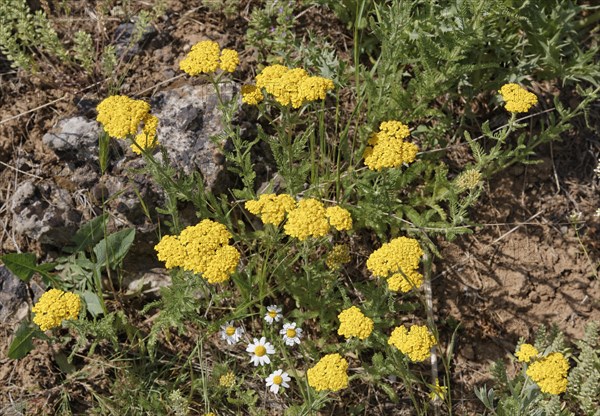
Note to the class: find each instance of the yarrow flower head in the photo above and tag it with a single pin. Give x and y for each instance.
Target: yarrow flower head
(259, 351)
(205, 57)
(227, 380)
(251, 95)
(415, 343)
(273, 314)
(53, 307)
(517, 98)
(387, 148)
(550, 373)
(526, 353)
(229, 60)
(353, 323)
(339, 254)
(398, 261)
(292, 86)
(308, 219)
(339, 218)
(271, 208)
(121, 116)
(329, 373)
(291, 334)
(276, 380)
(469, 179)
(230, 333)
(202, 248)
(147, 138)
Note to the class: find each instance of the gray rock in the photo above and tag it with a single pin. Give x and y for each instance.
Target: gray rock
(74, 140)
(189, 116)
(13, 297)
(146, 283)
(44, 212)
(124, 39)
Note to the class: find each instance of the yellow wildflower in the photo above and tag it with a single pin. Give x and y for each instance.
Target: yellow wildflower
(202, 248)
(146, 139)
(517, 98)
(307, 220)
(353, 323)
(287, 91)
(438, 392)
(469, 179)
(399, 282)
(203, 58)
(526, 353)
(550, 373)
(388, 149)
(251, 95)
(54, 306)
(271, 208)
(339, 218)
(314, 88)
(402, 254)
(339, 254)
(120, 115)
(269, 78)
(229, 60)
(227, 380)
(329, 373)
(416, 343)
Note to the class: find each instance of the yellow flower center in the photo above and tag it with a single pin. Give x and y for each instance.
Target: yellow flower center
(230, 331)
(291, 333)
(260, 351)
(277, 380)
(273, 314)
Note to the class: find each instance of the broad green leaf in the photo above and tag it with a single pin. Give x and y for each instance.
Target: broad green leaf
(112, 250)
(89, 234)
(23, 265)
(22, 344)
(92, 303)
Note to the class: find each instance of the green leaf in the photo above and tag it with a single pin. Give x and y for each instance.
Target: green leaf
(22, 344)
(112, 250)
(92, 303)
(23, 265)
(89, 234)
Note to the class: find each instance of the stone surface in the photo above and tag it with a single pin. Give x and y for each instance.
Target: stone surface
(74, 140)
(124, 44)
(13, 297)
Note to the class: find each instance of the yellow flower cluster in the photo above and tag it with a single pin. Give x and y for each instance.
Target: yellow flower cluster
(121, 116)
(387, 147)
(206, 57)
(416, 343)
(203, 248)
(288, 86)
(517, 98)
(339, 218)
(306, 218)
(251, 95)
(526, 353)
(54, 306)
(339, 254)
(329, 373)
(353, 323)
(271, 208)
(550, 373)
(147, 138)
(469, 179)
(398, 261)
(227, 380)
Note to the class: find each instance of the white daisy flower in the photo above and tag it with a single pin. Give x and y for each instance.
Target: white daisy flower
(258, 351)
(291, 334)
(276, 380)
(273, 314)
(230, 333)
